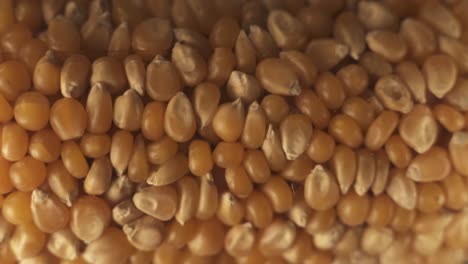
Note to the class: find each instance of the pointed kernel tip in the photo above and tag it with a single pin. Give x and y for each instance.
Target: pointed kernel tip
(295, 88)
(39, 195)
(238, 103)
(290, 156)
(158, 59)
(254, 106)
(270, 132)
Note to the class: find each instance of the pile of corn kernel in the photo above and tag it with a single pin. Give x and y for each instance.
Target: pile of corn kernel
(233, 131)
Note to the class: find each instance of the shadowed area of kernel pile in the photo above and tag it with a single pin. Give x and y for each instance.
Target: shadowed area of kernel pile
(233, 131)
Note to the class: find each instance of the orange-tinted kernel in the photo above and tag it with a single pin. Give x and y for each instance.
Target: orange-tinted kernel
(27, 174)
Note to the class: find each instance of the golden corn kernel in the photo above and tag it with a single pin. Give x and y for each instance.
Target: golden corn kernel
(440, 72)
(49, 214)
(163, 81)
(99, 176)
(349, 30)
(193, 38)
(74, 77)
(208, 239)
(99, 109)
(158, 201)
(208, 203)
(149, 32)
(224, 32)
(111, 247)
(138, 166)
(326, 52)
(430, 197)
(263, 42)
(68, 118)
(402, 190)
(432, 165)
(245, 52)
(144, 233)
(295, 132)
(230, 209)
(375, 240)
(376, 15)
(200, 159)
(440, 18)
(275, 107)
(110, 71)
(419, 129)
(365, 173)
(273, 150)
(278, 77)
(360, 110)
(456, 97)
(89, 218)
(375, 65)
(287, 31)
(331, 90)
(353, 209)
(15, 141)
(16, 208)
(255, 127)
(220, 66)
(228, 121)
(31, 111)
(238, 181)
(120, 189)
(170, 171)
(121, 150)
(189, 192)
(300, 212)
(381, 212)
(413, 77)
(7, 111)
(449, 117)
(277, 237)
(321, 221)
(256, 166)
(120, 41)
(355, 78)
(27, 174)
(345, 130)
(325, 240)
(298, 169)
(179, 119)
(302, 65)
(64, 244)
(190, 63)
(244, 86)
(389, 45)
(125, 212)
(381, 129)
(398, 152)
(344, 165)
(63, 35)
(206, 98)
(317, 23)
(279, 193)
(136, 73)
(321, 147)
(95, 145)
(394, 94)
(239, 240)
(321, 191)
(27, 241)
(419, 37)
(128, 111)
